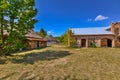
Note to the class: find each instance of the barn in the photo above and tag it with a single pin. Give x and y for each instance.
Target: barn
(100, 36)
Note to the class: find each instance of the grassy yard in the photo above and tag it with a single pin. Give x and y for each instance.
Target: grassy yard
(60, 63)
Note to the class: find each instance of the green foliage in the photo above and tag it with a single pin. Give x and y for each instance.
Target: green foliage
(59, 38)
(94, 45)
(10, 45)
(71, 39)
(68, 38)
(64, 38)
(42, 33)
(3, 11)
(0, 42)
(20, 14)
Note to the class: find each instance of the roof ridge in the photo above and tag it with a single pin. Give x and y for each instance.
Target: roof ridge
(90, 27)
(88, 31)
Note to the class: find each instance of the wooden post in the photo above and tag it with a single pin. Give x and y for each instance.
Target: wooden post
(86, 43)
(113, 43)
(99, 43)
(79, 42)
(68, 37)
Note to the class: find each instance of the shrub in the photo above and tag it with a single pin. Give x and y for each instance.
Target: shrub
(94, 45)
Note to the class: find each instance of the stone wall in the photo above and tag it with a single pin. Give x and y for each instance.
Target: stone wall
(103, 42)
(100, 40)
(115, 28)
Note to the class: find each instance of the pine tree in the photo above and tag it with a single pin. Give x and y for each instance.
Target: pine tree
(42, 33)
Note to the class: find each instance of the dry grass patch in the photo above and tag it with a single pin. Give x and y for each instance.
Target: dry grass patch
(60, 63)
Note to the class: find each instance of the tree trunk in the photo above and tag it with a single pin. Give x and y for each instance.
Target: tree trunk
(1, 27)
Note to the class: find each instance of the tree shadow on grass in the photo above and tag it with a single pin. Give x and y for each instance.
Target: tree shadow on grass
(34, 57)
(2, 61)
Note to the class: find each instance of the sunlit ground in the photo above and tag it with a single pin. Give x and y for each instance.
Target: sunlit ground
(61, 63)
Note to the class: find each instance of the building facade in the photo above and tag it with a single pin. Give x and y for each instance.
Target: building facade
(50, 40)
(33, 40)
(100, 36)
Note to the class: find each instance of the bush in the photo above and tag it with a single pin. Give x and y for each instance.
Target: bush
(12, 44)
(94, 45)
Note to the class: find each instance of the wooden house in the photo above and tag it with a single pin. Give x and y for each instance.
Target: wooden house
(33, 40)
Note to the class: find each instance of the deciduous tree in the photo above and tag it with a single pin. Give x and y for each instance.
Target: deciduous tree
(70, 38)
(21, 18)
(3, 12)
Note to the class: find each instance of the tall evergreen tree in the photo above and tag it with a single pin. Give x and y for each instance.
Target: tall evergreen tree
(42, 33)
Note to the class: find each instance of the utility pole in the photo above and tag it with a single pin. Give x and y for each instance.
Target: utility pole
(68, 37)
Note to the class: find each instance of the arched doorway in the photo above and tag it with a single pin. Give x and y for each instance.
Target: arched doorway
(106, 42)
(109, 43)
(83, 42)
(37, 44)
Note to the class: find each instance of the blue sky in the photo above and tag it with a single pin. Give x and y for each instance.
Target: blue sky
(56, 16)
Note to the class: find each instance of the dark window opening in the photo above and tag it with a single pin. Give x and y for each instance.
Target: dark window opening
(37, 43)
(109, 43)
(83, 43)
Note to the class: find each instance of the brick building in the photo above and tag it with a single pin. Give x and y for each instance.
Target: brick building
(100, 36)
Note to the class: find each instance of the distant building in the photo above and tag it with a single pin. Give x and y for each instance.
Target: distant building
(50, 40)
(33, 40)
(100, 36)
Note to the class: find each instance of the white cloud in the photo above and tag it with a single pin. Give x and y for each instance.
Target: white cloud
(100, 18)
(49, 32)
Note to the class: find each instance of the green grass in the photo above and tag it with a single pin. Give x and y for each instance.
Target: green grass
(60, 63)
